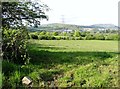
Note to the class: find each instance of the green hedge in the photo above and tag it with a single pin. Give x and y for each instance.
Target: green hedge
(83, 36)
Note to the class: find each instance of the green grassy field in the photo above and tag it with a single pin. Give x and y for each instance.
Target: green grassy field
(69, 63)
(76, 45)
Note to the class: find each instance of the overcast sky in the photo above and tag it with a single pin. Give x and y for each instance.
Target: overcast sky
(82, 12)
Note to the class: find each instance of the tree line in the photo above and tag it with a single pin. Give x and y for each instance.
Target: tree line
(75, 35)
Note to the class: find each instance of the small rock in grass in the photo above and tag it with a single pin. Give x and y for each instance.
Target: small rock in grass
(27, 80)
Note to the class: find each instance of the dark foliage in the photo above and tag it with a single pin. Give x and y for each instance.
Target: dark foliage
(15, 14)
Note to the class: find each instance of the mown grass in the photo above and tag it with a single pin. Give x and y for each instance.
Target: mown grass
(67, 63)
(71, 63)
(76, 45)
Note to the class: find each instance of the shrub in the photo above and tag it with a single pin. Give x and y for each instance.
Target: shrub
(41, 37)
(99, 37)
(83, 34)
(33, 36)
(42, 33)
(89, 37)
(63, 38)
(53, 38)
(14, 45)
(47, 34)
(44, 37)
(64, 34)
(55, 33)
(58, 38)
(112, 37)
(77, 34)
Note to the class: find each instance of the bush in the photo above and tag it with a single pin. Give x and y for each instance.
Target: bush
(57, 37)
(43, 37)
(77, 34)
(53, 38)
(99, 37)
(42, 33)
(63, 38)
(112, 37)
(14, 45)
(33, 36)
(89, 37)
(83, 34)
(55, 33)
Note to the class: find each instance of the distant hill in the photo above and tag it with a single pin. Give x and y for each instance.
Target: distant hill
(59, 27)
(55, 27)
(106, 26)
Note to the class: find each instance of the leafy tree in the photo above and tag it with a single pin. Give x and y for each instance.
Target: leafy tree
(99, 37)
(83, 34)
(76, 33)
(47, 34)
(112, 37)
(42, 33)
(64, 33)
(16, 14)
(33, 36)
(55, 33)
(89, 37)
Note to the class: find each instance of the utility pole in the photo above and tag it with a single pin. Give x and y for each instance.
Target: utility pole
(63, 19)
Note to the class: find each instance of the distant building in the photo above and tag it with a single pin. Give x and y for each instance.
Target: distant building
(87, 29)
(67, 30)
